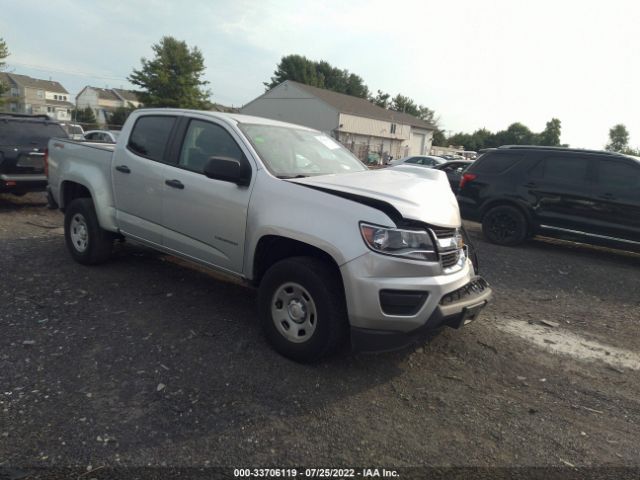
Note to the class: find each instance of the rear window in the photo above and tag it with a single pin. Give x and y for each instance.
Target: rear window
(20, 132)
(495, 162)
(618, 175)
(562, 169)
(150, 135)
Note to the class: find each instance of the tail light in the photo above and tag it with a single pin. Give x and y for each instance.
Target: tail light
(46, 162)
(466, 178)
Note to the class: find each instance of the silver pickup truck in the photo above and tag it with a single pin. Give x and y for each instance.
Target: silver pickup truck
(337, 251)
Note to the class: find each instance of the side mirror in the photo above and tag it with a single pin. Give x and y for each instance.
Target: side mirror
(226, 169)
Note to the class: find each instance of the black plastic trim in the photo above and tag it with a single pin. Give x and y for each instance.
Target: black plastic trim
(402, 302)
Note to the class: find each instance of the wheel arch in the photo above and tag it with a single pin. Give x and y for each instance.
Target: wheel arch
(509, 202)
(270, 249)
(71, 189)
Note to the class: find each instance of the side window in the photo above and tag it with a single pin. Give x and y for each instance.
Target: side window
(413, 160)
(150, 135)
(494, 163)
(204, 140)
(614, 176)
(567, 170)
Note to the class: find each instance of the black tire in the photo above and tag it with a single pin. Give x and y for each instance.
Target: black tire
(505, 225)
(321, 281)
(98, 241)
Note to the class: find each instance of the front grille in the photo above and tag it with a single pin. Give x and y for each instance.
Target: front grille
(442, 232)
(471, 289)
(449, 259)
(448, 251)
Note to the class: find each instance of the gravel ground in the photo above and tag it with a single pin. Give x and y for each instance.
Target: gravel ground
(148, 361)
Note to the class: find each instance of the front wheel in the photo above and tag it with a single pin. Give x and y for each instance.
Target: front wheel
(505, 225)
(86, 241)
(302, 308)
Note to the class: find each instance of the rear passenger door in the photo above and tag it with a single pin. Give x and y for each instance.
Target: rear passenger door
(138, 177)
(203, 218)
(561, 191)
(617, 197)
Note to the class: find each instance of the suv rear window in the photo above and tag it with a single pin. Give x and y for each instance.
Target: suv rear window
(21, 132)
(150, 135)
(562, 169)
(495, 162)
(614, 176)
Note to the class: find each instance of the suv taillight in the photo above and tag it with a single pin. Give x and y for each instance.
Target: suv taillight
(466, 178)
(46, 162)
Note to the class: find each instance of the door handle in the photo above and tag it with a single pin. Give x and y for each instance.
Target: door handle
(175, 184)
(123, 169)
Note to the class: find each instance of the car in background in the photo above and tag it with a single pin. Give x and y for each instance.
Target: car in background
(101, 136)
(588, 196)
(23, 145)
(75, 131)
(454, 171)
(429, 161)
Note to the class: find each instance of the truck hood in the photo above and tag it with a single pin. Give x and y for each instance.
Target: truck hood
(417, 193)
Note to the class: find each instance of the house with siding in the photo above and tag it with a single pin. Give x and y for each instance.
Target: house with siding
(104, 101)
(361, 126)
(35, 96)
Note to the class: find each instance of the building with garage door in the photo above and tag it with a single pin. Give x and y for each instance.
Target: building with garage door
(369, 131)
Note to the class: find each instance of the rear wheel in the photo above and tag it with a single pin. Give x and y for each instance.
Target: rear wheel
(505, 225)
(302, 308)
(86, 241)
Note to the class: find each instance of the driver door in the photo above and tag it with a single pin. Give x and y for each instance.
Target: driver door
(203, 218)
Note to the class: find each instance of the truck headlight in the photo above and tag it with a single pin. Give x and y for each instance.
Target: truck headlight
(414, 244)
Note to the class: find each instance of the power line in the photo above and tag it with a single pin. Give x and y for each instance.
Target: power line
(66, 72)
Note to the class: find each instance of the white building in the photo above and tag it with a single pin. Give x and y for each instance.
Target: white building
(35, 96)
(104, 101)
(358, 124)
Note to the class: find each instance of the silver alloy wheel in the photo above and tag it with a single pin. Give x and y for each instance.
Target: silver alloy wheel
(293, 312)
(79, 232)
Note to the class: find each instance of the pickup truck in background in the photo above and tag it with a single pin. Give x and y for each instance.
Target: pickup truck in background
(337, 252)
(23, 142)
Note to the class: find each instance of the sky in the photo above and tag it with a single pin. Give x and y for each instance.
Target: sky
(477, 63)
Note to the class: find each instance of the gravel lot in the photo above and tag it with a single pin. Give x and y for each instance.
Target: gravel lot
(148, 361)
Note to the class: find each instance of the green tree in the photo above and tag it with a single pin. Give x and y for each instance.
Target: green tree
(402, 103)
(381, 99)
(439, 138)
(173, 78)
(4, 53)
(515, 134)
(85, 117)
(618, 138)
(120, 114)
(317, 74)
(550, 136)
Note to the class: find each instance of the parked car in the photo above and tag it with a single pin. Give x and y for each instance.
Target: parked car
(23, 142)
(454, 170)
(585, 195)
(421, 160)
(101, 136)
(335, 249)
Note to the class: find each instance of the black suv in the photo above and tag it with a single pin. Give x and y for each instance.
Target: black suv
(23, 141)
(584, 195)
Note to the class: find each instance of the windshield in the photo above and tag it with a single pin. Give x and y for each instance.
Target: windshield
(16, 132)
(291, 152)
